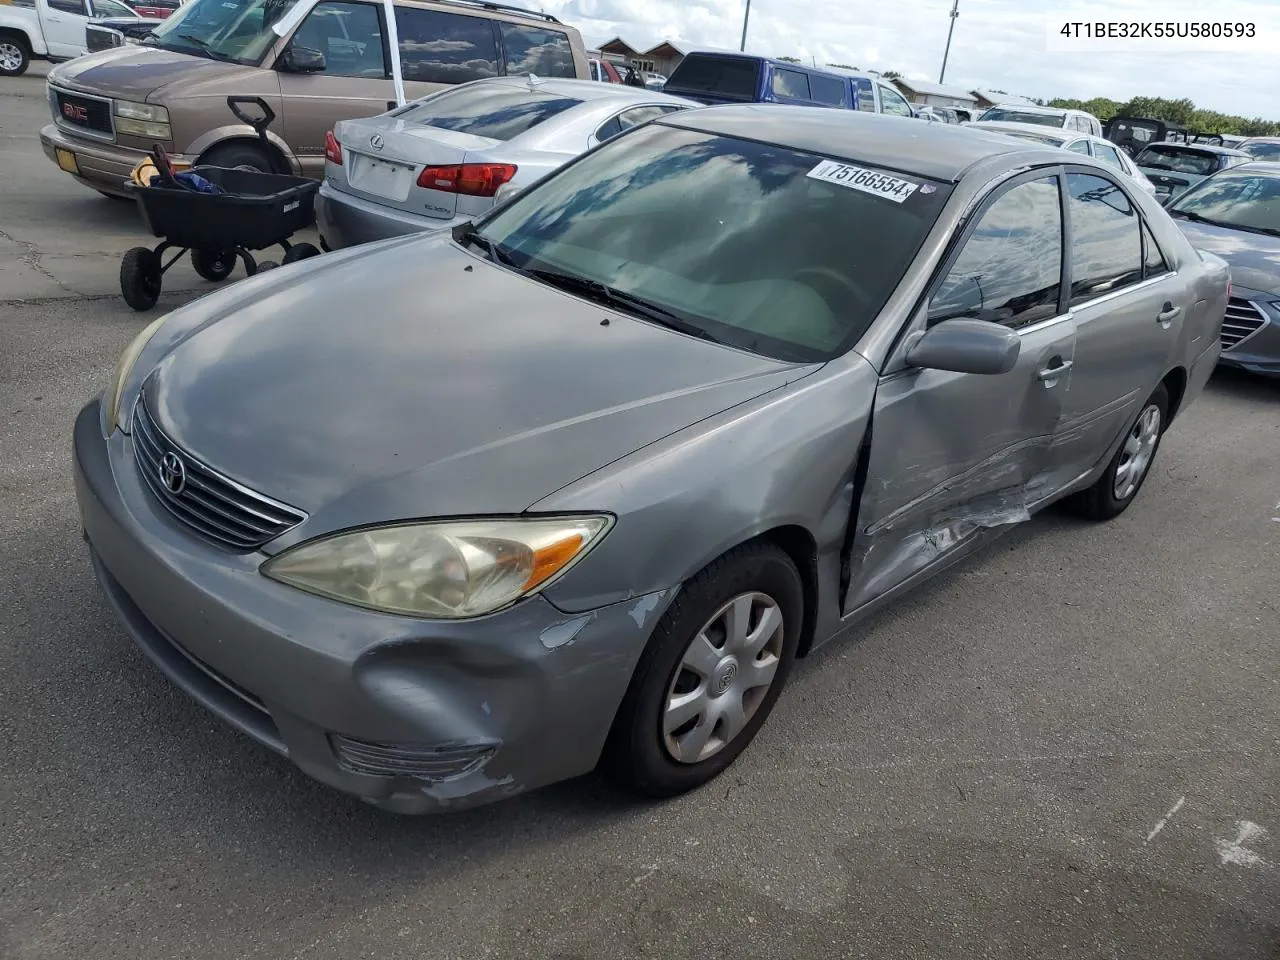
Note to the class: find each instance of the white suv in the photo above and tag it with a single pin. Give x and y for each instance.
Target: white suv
(1045, 117)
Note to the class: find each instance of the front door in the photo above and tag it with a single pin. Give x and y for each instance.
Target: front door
(355, 82)
(1128, 312)
(955, 453)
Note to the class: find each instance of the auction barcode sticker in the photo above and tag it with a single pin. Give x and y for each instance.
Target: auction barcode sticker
(868, 181)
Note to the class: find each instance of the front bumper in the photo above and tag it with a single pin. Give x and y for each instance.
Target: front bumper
(1257, 353)
(487, 708)
(102, 165)
(343, 220)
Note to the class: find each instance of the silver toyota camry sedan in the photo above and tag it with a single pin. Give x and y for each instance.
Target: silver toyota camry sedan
(453, 516)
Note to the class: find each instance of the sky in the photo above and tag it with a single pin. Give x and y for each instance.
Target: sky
(1000, 44)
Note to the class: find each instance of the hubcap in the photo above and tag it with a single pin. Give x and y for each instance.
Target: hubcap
(723, 677)
(10, 56)
(1135, 457)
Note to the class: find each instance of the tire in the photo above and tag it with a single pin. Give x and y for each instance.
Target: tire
(140, 278)
(237, 154)
(1118, 485)
(213, 265)
(266, 265)
(649, 756)
(300, 251)
(15, 55)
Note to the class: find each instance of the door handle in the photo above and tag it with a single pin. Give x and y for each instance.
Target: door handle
(1168, 315)
(1053, 373)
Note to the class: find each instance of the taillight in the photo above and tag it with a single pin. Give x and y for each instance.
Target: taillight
(471, 179)
(332, 149)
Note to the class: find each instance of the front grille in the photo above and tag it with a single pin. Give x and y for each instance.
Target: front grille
(217, 508)
(419, 761)
(1242, 321)
(92, 114)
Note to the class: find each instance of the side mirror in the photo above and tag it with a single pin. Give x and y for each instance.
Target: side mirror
(966, 346)
(303, 60)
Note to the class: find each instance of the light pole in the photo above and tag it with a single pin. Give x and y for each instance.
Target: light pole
(745, 17)
(955, 12)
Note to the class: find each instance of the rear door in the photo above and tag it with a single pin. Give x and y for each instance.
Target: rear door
(954, 453)
(1128, 308)
(63, 22)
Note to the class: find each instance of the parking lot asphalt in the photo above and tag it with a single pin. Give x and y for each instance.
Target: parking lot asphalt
(1069, 746)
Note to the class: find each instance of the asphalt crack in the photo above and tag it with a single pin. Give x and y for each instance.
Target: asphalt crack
(33, 258)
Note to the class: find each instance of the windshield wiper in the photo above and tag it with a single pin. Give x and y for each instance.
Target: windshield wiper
(204, 46)
(467, 233)
(627, 302)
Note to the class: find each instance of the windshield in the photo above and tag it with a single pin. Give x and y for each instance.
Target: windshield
(238, 31)
(1024, 116)
(1263, 150)
(762, 247)
(499, 113)
(1235, 198)
(734, 78)
(1164, 156)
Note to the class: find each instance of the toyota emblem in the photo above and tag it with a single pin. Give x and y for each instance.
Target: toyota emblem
(173, 473)
(376, 141)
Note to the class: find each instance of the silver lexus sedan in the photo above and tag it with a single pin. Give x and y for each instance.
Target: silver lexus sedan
(453, 516)
(452, 155)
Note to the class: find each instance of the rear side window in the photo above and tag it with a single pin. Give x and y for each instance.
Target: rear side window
(828, 90)
(1010, 268)
(1107, 155)
(893, 103)
(1106, 238)
(631, 118)
(440, 47)
(498, 113)
(734, 78)
(791, 84)
(546, 53)
(68, 6)
(1080, 146)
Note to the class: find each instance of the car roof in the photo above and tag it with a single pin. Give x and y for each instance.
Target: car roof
(934, 150)
(1269, 167)
(1204, 147)
(741, 55)
(1259, 140)
(586, 90)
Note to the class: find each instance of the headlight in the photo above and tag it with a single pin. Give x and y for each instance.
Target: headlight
(447, 570)
(124, 367)
(143, 120)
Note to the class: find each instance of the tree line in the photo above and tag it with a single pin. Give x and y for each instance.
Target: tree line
(1182, 111)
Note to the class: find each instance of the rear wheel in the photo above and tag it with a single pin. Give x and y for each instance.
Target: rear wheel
(300, 251)
(14, 55)
(213, 265)
(1124, 476)
(710, 675)
(140, 278)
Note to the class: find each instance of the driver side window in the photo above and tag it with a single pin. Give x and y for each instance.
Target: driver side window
(893, 103)
(347, 35)
(1010, 268)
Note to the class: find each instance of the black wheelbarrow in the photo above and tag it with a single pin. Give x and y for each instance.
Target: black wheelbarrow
(250, 211)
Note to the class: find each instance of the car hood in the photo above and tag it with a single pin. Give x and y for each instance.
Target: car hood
(138, 72)
(1254, 258)
(418, 379)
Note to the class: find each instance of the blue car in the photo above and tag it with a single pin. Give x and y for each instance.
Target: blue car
(715, 77)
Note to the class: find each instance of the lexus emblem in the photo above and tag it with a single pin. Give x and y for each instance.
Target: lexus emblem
(376, 141)
(173, 473)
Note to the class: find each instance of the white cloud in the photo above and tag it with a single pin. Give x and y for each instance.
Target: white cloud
(997, 43)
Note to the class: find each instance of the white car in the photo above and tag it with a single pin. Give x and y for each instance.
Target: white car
(1061, 117)
(1072, 140)
(451, 156)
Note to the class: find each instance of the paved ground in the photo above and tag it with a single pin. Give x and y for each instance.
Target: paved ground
(1070, 747)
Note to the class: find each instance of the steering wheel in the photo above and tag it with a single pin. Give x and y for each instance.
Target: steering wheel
(826, 277)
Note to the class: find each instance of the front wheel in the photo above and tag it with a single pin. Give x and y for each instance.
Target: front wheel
(140, 278)
(14, 56)
(1124, 476)
(710, 675)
